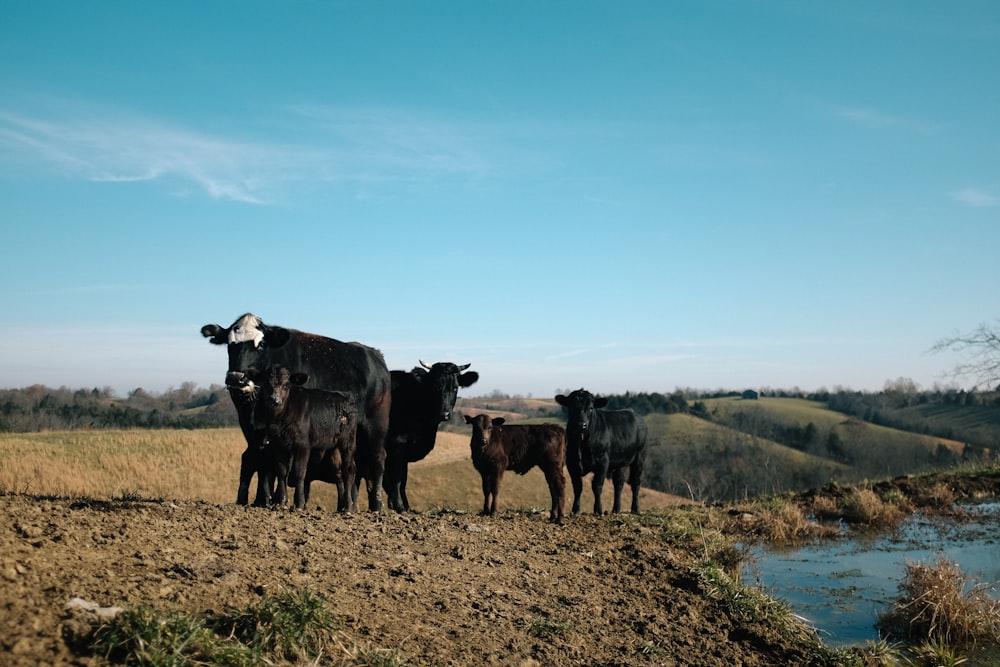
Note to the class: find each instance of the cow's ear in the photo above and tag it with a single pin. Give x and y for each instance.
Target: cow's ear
(468, 379)
(498, 421)
(299, 379)
(600, 402)
(468, 419)
(276, 336)
(216, 334)
(562, 400)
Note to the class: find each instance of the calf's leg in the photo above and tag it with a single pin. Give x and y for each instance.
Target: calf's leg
(487, 491)
(557, 490)
(496, 493)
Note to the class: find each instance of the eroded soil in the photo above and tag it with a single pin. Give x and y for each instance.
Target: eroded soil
(442, 588)
(445, 589)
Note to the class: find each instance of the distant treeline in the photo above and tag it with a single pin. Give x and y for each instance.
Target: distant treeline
(969, 417)
(39, 408)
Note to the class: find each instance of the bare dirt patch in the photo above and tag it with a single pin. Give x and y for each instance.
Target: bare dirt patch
(443, 588)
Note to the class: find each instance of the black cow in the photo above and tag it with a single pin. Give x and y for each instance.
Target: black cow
(421, 400)
(304, 427)
(605, 442)
(518, 447)
(330, 364)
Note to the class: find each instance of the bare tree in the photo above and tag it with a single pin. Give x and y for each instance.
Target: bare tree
(981, 354)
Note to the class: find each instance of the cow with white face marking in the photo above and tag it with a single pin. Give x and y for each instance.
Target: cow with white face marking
(330, 364)
(605, 442)
(304, 427)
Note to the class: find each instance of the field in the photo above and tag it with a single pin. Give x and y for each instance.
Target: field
(801, 411)
(204, 465)
(146, 520)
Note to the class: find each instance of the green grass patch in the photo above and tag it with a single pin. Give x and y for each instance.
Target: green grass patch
(289, 627)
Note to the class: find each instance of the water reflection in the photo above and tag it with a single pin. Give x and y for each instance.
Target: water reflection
(841, 587)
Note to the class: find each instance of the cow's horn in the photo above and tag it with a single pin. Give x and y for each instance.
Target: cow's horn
(425, 364)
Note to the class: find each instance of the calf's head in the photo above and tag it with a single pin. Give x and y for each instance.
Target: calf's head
(275, 386)
(482, 428)
(581, 407)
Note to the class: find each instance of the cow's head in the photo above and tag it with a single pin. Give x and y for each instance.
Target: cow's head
(248, 342)
(581, 407)
(482, 428)
(439, 386)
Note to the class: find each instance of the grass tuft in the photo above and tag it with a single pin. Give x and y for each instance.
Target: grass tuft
(290, 627)
(546, 627)
(148, 637)
(938, 603)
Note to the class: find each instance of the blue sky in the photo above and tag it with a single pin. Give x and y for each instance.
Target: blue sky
(622, 196)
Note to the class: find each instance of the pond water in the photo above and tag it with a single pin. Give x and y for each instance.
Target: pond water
(840, 587)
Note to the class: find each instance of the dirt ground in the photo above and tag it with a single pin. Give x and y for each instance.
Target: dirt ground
(443, 588)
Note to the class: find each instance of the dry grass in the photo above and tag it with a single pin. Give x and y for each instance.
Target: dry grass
(939, 603)
(202, 464)
(860, 506)
(939, 497)
(774, 520)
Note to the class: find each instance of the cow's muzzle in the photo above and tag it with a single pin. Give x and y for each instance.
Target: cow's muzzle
(239, 381)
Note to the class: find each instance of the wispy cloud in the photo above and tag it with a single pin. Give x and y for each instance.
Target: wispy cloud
(376, 140)
(976, 197)
(118, 147)
(331, 146)
(873, 119)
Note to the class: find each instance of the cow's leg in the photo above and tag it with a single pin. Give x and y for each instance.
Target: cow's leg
(597, 484)
(360, 471)
(576, 479)
(248, 468)
(376, 471)
(405, 473)
(618, 480)
(635, 482)
(395, 466)
(371, 444)
(249, 463)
